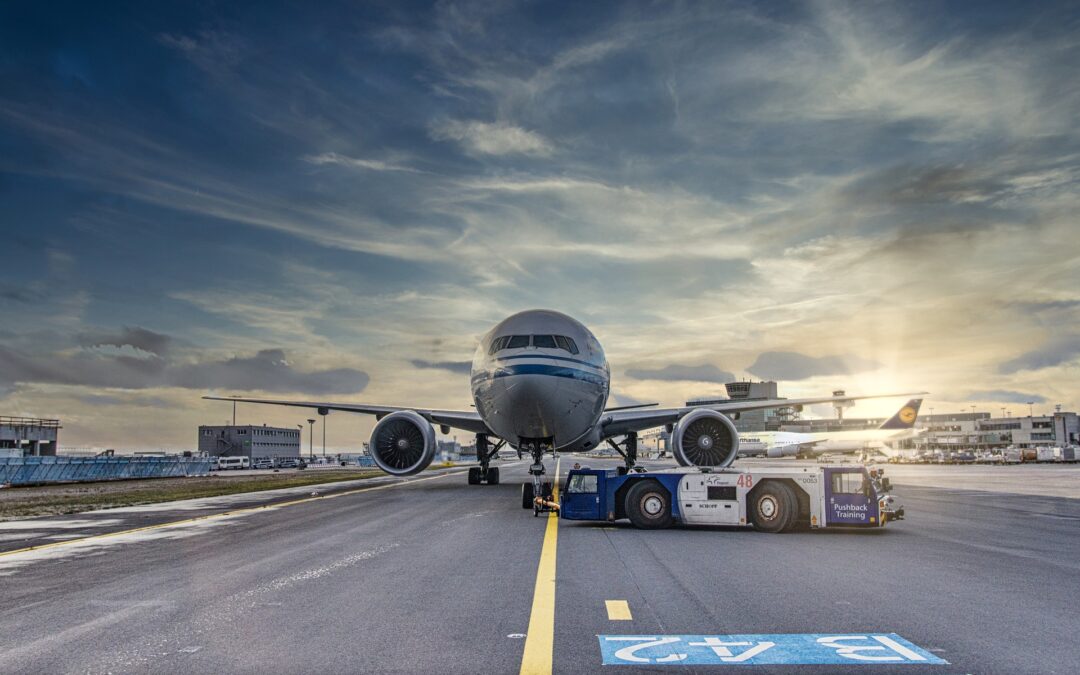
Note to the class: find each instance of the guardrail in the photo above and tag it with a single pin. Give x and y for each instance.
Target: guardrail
(28, 422)
(32, 470)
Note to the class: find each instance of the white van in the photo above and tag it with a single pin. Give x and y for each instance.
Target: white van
(233, 463)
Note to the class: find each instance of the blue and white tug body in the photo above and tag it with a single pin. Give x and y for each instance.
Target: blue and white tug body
(770, 499)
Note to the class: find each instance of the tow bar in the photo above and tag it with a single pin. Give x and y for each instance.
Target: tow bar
(541, 505)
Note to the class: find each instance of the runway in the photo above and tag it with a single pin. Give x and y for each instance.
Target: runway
(433, 575)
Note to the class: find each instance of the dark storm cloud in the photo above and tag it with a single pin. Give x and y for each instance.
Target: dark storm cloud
(460, 367)
(1054, 352)
(706, 372)
(1005, 396)
(268, 370)
(139, 338)
(796, 366)
(136, 401)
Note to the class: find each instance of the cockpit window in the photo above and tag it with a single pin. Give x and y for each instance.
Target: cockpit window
(498, 343)
(566, 343)
(517, 342)
(538, 341)
(544, 342)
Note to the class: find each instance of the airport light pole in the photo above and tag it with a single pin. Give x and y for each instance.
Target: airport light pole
(323, 412)
(1030, 403)
(311, 437)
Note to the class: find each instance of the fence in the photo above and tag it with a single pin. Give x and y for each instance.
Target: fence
(28, 470)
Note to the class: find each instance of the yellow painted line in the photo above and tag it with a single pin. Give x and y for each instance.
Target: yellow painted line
(618, 610)
(215, 516)
(540, 639)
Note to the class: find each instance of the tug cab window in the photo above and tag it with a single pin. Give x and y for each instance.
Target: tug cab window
(848, 483)
(544, 342)
(582, 483)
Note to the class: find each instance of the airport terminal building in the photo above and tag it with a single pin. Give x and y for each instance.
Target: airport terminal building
(249, 441)
(980, 431)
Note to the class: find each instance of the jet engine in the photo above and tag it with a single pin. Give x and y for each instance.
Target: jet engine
(705, 438)
(402, 443)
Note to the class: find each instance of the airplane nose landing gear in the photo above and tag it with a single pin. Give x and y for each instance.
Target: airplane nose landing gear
(538, 494)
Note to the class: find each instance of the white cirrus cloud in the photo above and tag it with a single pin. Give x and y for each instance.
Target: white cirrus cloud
(491, 138)
(357, 162)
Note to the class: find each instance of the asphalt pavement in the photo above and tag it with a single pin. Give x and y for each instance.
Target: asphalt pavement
(430, 574)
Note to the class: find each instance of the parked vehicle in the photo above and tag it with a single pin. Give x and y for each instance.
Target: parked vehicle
(224, 463)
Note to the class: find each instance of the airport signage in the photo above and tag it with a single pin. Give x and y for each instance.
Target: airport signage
(769, 649)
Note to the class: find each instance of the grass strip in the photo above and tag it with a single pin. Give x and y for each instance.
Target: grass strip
(57, 500)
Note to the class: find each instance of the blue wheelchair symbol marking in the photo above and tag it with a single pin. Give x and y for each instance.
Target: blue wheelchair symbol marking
(769, 649)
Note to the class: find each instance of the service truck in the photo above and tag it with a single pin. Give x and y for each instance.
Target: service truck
(770, 499)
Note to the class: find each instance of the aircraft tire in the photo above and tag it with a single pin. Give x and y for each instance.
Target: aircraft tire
(526, 495)
(648, 505)
(493, 475)
(475, 475)
(548, 489)
(773, 507)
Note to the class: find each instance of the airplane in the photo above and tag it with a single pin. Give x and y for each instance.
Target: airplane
(899, 427)
(540, 383)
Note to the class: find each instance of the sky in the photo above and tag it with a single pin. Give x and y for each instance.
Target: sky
(333, 201)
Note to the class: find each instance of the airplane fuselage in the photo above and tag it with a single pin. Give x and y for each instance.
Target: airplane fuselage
(541, 376)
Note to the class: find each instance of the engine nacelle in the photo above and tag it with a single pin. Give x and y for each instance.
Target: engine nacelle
(402, 443)
(705, 438)
(780, 450)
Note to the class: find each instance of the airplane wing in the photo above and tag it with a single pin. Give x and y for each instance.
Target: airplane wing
(469, 420)
(621, 422)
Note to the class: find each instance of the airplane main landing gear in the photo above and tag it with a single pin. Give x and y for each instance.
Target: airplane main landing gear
(628, 450)
(484, 454)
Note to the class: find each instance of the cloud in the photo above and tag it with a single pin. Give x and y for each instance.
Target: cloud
(17, 294)
(460, 367)
(796, 366)
(267, 370)
(136, 401)
(139, 338)
(491, 138)
(210, 50)
(1005, 396)
(1054, 352)
(706, 372)
(355, 162)
(621, 399)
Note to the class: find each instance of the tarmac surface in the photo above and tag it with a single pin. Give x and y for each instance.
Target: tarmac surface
(429, 574)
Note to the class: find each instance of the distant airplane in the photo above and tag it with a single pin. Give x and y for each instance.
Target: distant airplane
(900, 426)
(540, 383)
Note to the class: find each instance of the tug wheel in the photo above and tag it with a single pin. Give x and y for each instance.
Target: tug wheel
(773, 507)
(648, 505)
